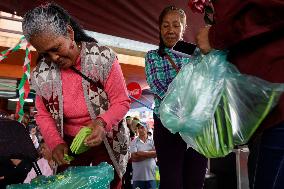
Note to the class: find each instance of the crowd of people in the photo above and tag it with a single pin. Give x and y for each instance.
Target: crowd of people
(88, 75)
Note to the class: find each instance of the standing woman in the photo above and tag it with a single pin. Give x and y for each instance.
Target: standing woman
(78, 83)
(179, 167)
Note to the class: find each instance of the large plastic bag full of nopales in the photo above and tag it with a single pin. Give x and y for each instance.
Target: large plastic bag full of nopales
(98, 177)
(214, 107)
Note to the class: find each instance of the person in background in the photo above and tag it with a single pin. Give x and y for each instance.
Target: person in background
(150, 133)
(126, 181)
(26, 120)
(4, 114)
(16, 151)
(13, 171)
(180, 167)
(45, 163)
(88, 75)
(12, 116)
(143, 156)
(129, 122)
(252, 31)
(33, 135)
(134, 122)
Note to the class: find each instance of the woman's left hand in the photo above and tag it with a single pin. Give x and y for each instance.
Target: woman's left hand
(202, 40)
(98, 133)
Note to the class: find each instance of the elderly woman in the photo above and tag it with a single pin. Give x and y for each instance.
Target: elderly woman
(78, 83)
(180, 167)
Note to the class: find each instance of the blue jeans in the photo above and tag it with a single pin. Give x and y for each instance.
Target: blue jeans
(149, 184)
(266, 160)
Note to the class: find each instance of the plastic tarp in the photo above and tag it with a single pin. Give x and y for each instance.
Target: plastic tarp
(98, 177)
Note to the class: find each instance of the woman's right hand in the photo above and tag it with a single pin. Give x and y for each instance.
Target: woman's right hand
(202, 40)
(58, 154)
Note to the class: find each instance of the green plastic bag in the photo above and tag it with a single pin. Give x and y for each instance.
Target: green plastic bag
(214, 107)
(78, 146)
(98, 177)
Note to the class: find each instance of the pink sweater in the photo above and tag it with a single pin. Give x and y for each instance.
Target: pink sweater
(44, 168)
(75, 110)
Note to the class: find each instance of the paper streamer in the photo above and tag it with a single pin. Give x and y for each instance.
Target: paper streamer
(24, 86)
(5, 53)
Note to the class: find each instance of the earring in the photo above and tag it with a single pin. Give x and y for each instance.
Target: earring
(79, 45)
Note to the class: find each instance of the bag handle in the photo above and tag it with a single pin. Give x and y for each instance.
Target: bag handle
(172, 62)
(173, 65)
(97, 83)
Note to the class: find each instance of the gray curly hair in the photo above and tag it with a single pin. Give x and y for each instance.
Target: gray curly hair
(45, 18)
(54, 19)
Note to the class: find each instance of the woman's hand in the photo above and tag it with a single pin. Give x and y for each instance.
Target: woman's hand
(202, 40)
(58, 154)
(98, 133)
